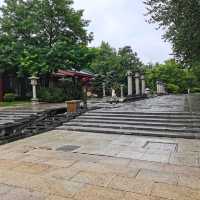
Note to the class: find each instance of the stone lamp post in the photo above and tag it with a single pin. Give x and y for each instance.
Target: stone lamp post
(34, 82)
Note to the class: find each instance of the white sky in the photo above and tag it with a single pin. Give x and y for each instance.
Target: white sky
(122, 22)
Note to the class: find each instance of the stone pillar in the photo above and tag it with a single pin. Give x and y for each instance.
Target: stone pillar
(1, 86)
(85, 96)
(122, 93)
(143, 84)
(130, 83)
(137, 83)
(162, 88)
(113, 92)
(34, 83)
(104, 89)
(158, 87)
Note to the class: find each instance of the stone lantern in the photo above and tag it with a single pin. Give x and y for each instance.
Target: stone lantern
(34, 82)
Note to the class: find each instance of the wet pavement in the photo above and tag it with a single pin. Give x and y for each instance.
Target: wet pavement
(169, 103)
(28, 107)
(62, 165)
(173, 116)
(72, 165)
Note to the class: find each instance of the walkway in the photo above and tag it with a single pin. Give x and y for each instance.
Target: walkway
(72, 165)
(63, 165)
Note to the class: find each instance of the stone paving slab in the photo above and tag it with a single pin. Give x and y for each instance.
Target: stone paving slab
(105, 167)
(169, 103)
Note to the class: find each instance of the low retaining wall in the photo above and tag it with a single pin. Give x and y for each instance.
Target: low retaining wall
(35, 124)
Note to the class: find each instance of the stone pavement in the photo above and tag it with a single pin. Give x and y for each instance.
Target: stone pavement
(72, 165)
(169, 103)
(63, 165)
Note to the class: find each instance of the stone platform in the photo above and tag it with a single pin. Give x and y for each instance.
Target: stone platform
(19, 122)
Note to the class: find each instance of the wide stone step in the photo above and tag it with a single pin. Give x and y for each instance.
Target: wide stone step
(17, 113)
(131, 132)
(167, 124)
(134, 127)
(140, 119)
(145, 113)
(142, 116)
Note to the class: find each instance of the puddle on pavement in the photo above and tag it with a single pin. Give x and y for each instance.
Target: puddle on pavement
(67, 148)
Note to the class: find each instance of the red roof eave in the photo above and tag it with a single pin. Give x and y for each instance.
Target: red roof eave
(68, 73)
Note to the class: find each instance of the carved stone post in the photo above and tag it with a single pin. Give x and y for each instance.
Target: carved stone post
(104, 89)
(85, 96)
(137, 83)
(143, 84)
(158, 87)
(122, 93)
(130, 83)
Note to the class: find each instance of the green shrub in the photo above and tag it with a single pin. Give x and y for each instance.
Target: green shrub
(195, 90)
(51, 95)
(172, 88)
(9, 97)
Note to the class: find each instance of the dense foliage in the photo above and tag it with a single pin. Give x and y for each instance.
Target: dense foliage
(176, 78)
(51, 95)
(111, 65)
(181, 20)
(9, 97)
(39, 36)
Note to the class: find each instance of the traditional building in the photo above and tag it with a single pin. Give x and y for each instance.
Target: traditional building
(20, 86)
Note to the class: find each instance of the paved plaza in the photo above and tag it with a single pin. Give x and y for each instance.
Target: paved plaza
(72, 165)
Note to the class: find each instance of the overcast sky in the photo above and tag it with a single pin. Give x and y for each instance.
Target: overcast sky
(122, 22)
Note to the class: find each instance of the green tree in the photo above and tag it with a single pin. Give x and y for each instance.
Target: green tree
(113, 64)
(181, 20)
(176, 78)
(106, 59)
(128, 59)
(45, 32)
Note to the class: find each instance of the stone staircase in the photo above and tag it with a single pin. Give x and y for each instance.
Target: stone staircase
(160, 124)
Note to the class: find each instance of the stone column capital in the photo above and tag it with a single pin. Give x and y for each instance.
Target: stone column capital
(142, 77)
(137, 75)
(129, 73)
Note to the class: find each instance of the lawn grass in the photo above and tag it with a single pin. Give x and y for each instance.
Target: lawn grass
(14, 103)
